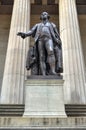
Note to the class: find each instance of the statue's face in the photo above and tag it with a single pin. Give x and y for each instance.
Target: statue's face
(44, 15)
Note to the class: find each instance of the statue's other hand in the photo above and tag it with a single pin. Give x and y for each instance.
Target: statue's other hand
(21, 34)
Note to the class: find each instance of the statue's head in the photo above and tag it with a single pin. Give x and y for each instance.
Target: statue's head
(44, 16)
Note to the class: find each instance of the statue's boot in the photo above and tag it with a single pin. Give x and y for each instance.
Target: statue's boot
(53, 72)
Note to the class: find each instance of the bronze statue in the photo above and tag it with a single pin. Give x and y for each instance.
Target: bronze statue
(45, 57)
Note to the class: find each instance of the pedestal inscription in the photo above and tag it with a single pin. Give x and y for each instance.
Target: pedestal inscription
(44, 98)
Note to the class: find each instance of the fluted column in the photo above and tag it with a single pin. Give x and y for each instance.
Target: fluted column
(74, 74)
(14, 72)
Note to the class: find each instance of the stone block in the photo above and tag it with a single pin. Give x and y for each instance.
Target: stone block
(44, 98)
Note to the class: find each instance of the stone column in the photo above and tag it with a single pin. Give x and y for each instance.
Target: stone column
(74, 74)
(14, 72)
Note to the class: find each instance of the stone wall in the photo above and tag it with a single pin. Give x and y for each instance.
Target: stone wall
(4, 33)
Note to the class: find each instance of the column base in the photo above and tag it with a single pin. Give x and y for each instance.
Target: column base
(44, 98)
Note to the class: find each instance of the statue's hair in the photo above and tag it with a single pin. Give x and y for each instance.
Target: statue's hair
(48, 16)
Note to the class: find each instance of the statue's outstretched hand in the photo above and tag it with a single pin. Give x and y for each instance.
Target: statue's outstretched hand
(21, 34)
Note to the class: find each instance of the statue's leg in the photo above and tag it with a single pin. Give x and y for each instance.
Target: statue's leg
(51, 56)
(42, 57)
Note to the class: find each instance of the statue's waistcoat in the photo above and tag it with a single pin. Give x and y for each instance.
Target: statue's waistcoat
(39, 29)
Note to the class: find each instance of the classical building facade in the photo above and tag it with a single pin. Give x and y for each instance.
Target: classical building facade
(21, 15)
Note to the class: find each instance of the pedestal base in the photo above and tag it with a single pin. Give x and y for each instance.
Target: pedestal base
(44, 98)
(26, 123)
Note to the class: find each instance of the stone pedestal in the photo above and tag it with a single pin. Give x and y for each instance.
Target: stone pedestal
(44, 98)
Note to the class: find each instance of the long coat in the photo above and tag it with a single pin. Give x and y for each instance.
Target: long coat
(35, 32)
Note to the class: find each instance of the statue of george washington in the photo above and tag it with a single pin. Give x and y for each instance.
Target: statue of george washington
(45, 57)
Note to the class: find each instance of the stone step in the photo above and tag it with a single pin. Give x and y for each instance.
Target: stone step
(58, 128)
(11, 109)
(32, 123)
(18, 106)
(72, 110)
(75, 105)
(78, 110)
(75, 110)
